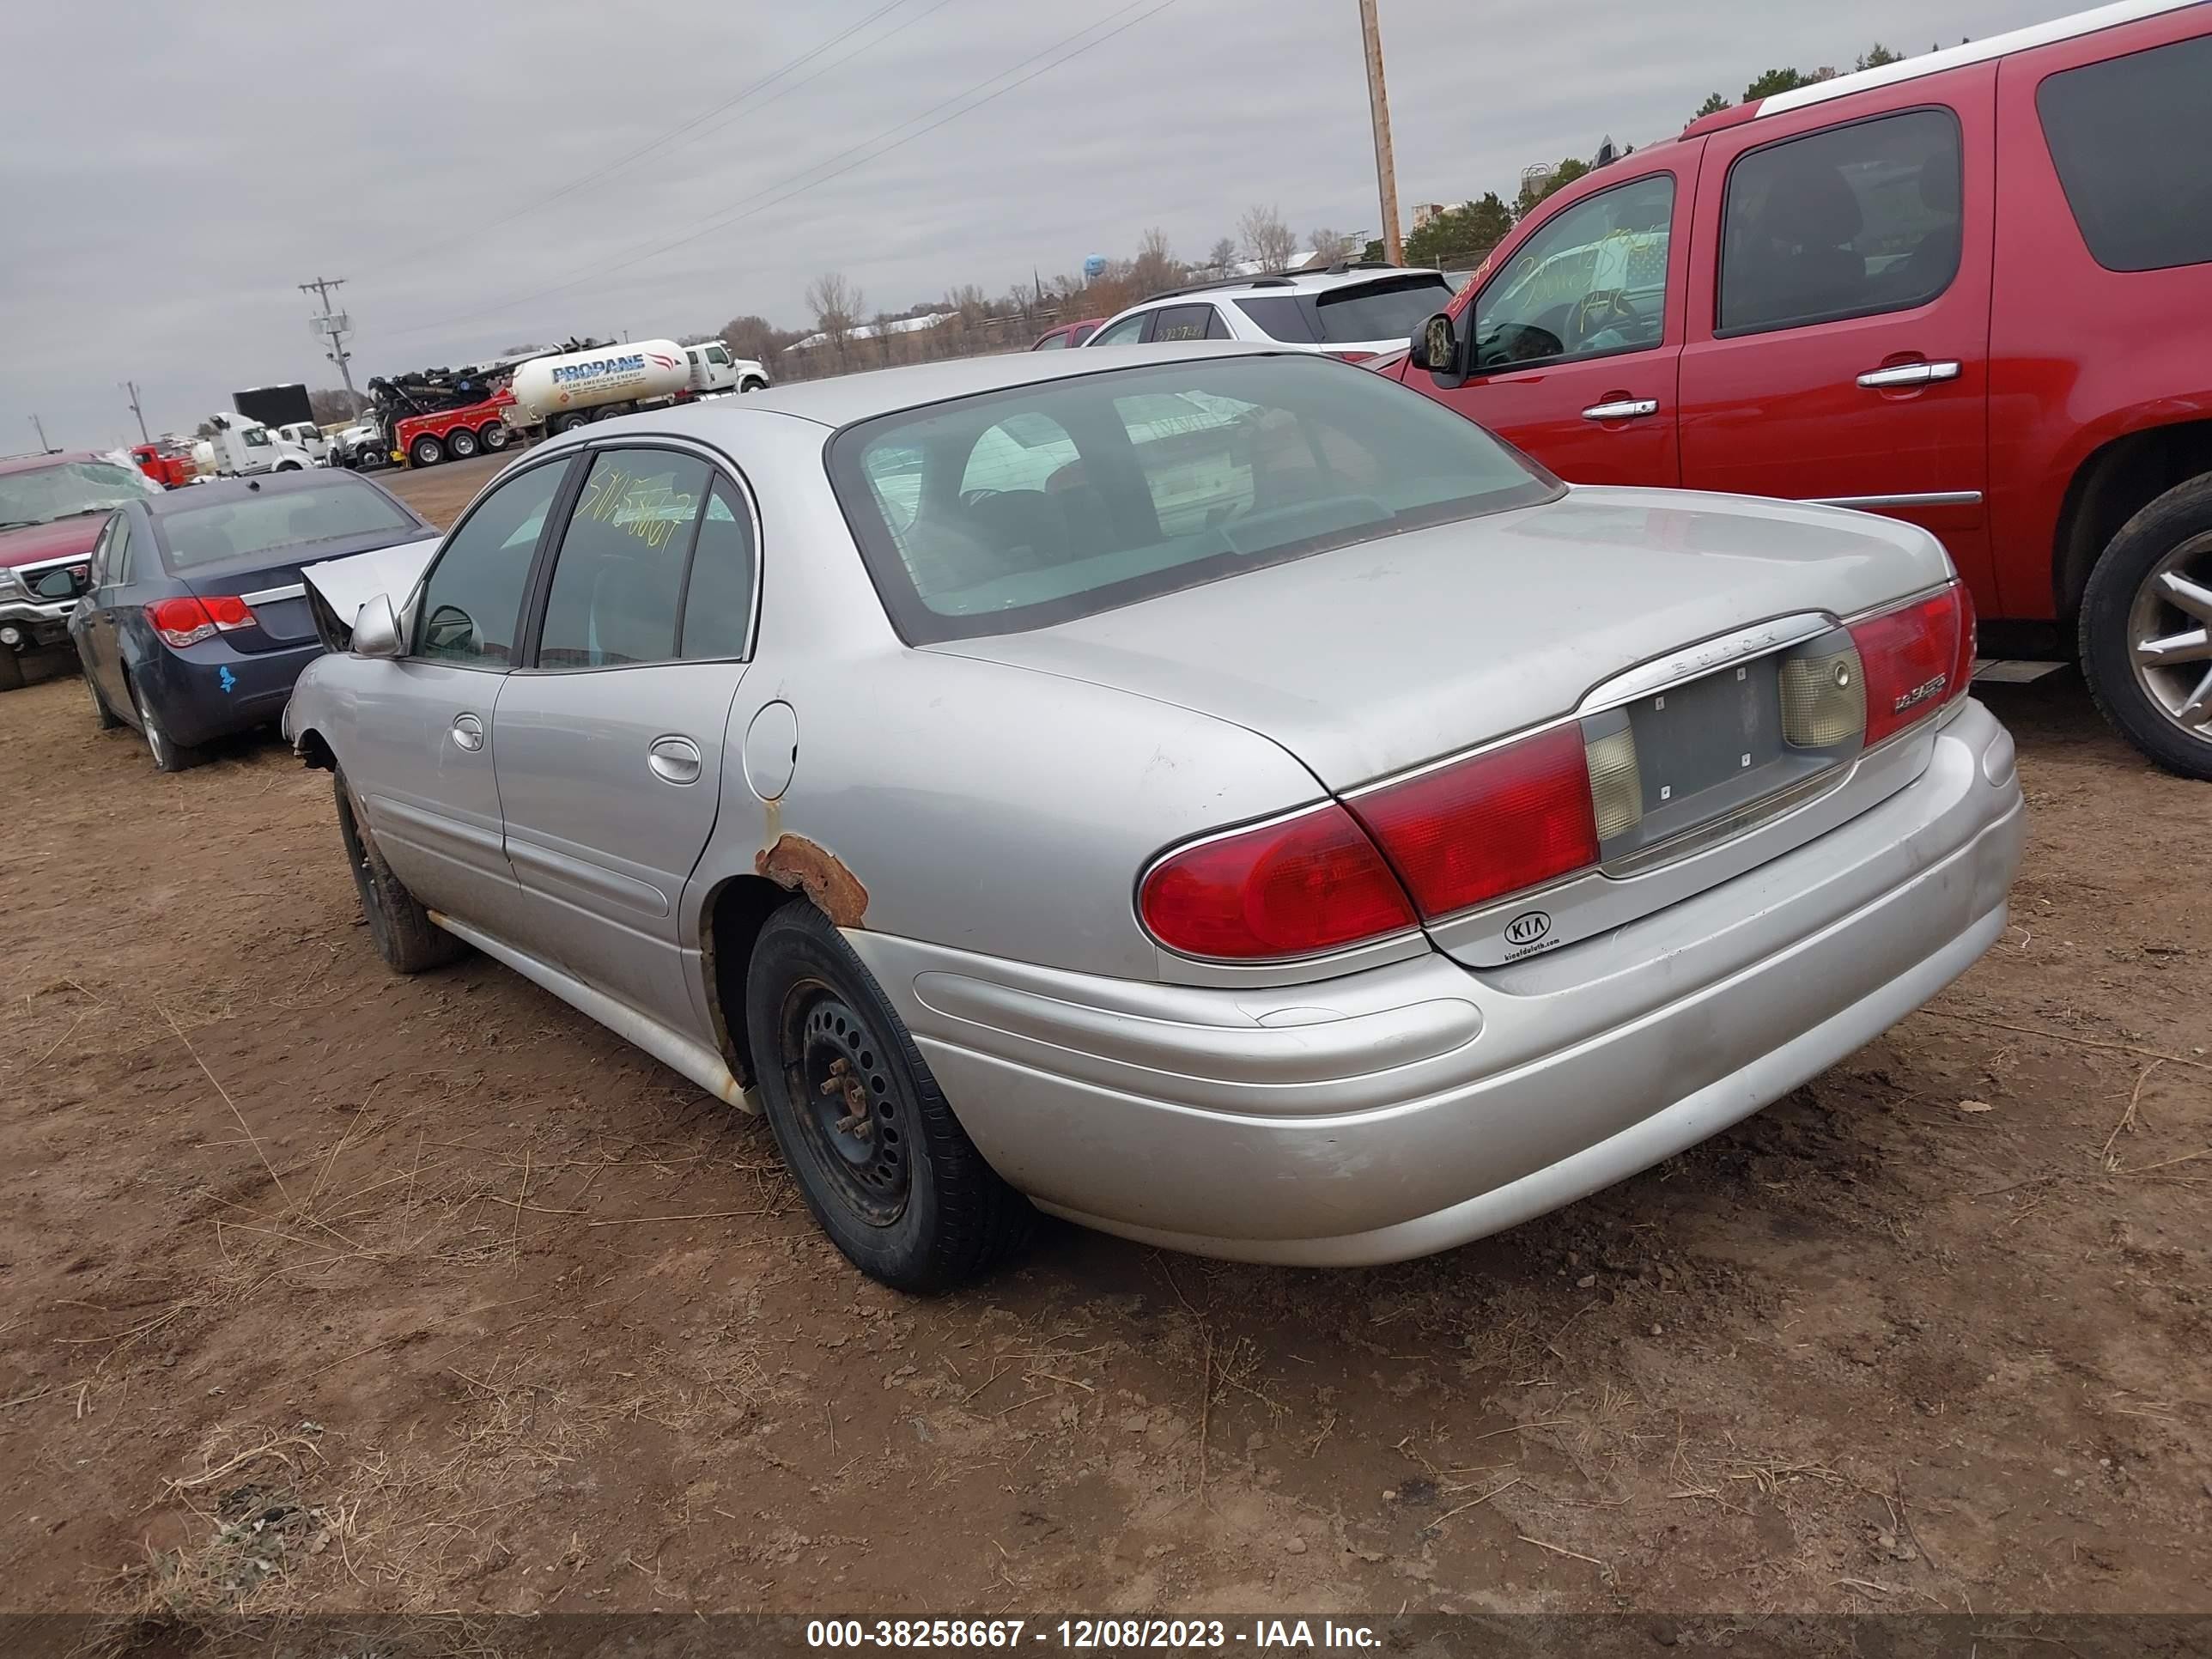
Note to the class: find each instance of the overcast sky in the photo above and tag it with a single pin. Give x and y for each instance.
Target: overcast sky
(169, 174)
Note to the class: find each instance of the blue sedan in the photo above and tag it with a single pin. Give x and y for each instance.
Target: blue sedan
(194, 624)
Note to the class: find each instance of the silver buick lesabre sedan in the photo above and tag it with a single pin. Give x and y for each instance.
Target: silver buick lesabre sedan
(1218, 797)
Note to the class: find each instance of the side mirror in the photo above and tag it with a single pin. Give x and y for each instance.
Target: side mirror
(375, 630)
(1435, 347)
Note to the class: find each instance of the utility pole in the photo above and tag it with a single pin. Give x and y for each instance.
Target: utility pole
(1378, 109)
(43, 445)
(333, 326)
(131, 386)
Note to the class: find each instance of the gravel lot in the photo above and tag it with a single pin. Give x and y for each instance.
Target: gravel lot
(327, 1289)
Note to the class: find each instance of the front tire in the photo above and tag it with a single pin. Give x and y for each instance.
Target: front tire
(2146, 630)
(398, 925)
(425, 451)
(169, 754)
(11, 670)
(879, 1157)
(749, 384)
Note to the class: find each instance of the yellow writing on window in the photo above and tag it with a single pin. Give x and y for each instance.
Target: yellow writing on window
(647, 508)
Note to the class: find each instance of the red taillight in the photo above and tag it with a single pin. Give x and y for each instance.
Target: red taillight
(1910, 656)
(1293, 888)
(228, 610)
(180, 621)
(188, 621)
(1353, 356)
(1491, 824)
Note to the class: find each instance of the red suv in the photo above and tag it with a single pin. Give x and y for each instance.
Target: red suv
(1972, 290)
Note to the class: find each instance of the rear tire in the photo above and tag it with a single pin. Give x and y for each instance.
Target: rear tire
(169, 754)
(2162, 706)
(401, 929)
(461, 443)
(903, 1193)
(11, 670)
(425, 451)
(569, 422)
(494, 436)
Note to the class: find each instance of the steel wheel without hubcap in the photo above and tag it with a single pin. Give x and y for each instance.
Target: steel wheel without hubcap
(850, 1119)
(2170, 634)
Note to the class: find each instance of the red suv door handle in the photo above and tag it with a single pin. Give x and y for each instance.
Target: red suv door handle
(1622, 409)
(1908, 374)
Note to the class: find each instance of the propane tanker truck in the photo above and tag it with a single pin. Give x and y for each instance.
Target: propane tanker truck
(437, 414)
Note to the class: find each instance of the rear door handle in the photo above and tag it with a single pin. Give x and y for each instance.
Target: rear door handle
(674, 760)
(1622, 408)
(1909, 374)
(468, 733)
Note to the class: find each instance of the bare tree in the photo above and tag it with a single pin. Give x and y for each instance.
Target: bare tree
(1332, 245)
(1221, 256)
(1266, 237)
(836, 305)
(1155, 266)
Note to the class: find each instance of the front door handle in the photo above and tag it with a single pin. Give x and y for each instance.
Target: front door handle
(674, 760)
(468, 733)
(1622, 409)
(1908, 374)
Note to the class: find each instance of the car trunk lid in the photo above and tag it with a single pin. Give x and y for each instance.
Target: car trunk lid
(1368, 659)
(273, 591)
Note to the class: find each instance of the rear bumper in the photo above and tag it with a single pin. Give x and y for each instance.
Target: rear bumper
(208, 690)
(1414, 1107)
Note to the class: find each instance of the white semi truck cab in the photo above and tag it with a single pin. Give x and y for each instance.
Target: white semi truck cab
(241, 447)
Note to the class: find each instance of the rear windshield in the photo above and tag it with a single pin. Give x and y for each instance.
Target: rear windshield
(1358, 313)
(270, 524)
(1017, 509)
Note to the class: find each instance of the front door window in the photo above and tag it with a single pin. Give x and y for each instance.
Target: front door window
(1590, 283)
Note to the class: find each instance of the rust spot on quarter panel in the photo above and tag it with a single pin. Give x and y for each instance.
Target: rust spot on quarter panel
(797, 863)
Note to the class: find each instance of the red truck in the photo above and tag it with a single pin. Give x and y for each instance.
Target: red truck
(52, 507)
(164, 466)
(457, 433)
(1971, 290)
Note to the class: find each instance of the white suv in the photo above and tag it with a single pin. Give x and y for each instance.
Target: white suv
(1350, 311)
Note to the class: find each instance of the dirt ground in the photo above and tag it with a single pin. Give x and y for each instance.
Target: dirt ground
(327, 1289)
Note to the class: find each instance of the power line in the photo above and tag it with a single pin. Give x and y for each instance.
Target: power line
(804, 180)
(683, 127)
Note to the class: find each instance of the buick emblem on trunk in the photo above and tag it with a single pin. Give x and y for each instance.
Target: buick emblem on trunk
(1528, 927)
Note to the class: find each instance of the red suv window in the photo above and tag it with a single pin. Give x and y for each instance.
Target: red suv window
(1848, 221)
(2130, 137)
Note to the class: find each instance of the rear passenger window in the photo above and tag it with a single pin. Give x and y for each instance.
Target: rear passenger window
(1844, 223)
(2130, 138)
(618, 580)
(1183, 323)
(718, 595)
